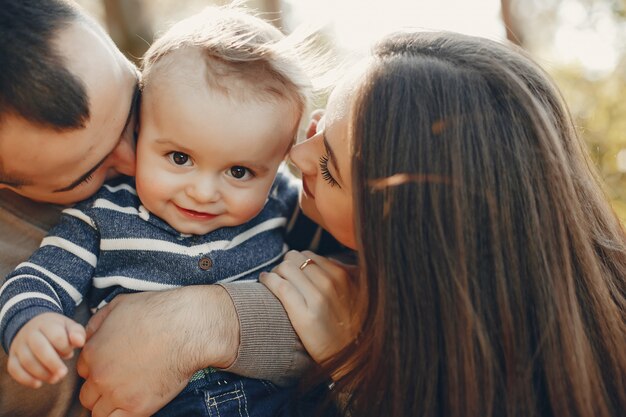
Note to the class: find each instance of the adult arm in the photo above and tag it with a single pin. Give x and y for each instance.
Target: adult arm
(320, 299)
(166, 336)
(240, 327)
(268, 346)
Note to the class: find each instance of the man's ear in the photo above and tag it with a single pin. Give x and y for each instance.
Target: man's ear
(316, 115)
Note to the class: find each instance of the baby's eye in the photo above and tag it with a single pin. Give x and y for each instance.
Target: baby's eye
(179, 158)
(240, 173)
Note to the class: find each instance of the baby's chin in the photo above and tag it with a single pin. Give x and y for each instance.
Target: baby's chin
(194, 230)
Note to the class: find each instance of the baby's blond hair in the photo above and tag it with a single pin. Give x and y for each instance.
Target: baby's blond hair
(245, 56)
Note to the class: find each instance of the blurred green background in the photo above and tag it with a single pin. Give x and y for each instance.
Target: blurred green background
(581, 43)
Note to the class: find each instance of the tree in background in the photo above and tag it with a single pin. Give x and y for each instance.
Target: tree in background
(132, 23)
(596, 97)
(129, 26)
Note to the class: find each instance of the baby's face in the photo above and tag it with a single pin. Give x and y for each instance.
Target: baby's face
(206, 161)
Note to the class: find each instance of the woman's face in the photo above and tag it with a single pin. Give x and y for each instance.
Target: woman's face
(325, 162)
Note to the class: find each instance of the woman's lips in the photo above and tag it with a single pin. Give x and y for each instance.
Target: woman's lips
(197, 215)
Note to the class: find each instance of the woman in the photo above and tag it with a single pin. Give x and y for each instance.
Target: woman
(491, 267)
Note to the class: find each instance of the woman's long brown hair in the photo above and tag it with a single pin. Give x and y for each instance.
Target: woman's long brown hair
(493, 265)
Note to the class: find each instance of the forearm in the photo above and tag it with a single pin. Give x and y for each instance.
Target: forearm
(268, 347)
(189, 328)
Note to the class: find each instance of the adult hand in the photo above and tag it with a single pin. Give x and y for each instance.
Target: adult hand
(319, 299)
(143, 348)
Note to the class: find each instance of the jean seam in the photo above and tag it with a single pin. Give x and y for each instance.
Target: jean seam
(212, 402)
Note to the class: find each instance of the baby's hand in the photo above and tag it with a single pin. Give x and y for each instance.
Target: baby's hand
(36, 352)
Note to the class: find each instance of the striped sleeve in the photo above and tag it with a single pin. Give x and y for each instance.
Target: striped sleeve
(55, 278)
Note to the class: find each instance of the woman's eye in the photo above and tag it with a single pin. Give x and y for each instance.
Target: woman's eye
(326, 175)
(239, 172)
(179, 158)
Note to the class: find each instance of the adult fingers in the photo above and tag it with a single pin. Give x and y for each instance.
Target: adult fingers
(102, 408)
(320, 292)
(336, 268)
(81, 366)
(97, 319)
(292, 270)
(123, 413)
(289, 295)
(330, 279)
(89, 395)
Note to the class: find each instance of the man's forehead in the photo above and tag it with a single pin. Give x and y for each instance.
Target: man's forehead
(27, 149)
(91, 55)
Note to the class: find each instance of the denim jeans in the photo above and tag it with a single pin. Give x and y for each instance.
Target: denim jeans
(222, 394)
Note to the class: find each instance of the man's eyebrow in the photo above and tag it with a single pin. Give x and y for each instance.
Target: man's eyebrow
(131, 110)
(331, 157)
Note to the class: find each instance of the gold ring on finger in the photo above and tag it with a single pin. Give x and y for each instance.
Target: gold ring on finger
(306, 263)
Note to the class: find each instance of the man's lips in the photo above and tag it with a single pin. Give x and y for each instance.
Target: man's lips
(198, 215)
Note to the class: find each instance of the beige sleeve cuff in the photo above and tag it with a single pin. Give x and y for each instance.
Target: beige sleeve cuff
(269, 347)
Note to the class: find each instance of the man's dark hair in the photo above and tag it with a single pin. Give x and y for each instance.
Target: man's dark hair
(34, 82)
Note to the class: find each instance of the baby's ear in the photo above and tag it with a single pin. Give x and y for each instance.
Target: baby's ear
(316, 115)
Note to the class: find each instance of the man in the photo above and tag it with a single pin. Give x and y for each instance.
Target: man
(67, 120)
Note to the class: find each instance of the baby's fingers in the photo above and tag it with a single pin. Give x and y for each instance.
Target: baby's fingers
(76, 334)
(44, 351)
(18, 373)
(65, 335)
(27, 359)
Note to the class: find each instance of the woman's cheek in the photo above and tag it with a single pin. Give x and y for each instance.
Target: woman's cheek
(338, 219)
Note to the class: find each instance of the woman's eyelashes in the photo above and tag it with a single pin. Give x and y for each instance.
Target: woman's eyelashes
(326, 175)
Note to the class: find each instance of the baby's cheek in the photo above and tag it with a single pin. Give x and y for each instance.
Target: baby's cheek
(246, 209)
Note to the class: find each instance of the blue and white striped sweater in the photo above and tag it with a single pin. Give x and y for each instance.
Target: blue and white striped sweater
(110, 244)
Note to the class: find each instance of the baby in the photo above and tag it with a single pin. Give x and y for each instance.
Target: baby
(222, 98)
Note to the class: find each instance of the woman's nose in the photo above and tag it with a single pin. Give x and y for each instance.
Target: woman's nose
(304, 156)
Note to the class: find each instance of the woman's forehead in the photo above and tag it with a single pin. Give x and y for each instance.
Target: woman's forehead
(340, 101)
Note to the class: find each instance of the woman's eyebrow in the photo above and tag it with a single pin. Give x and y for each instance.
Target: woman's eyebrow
(331, 157)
